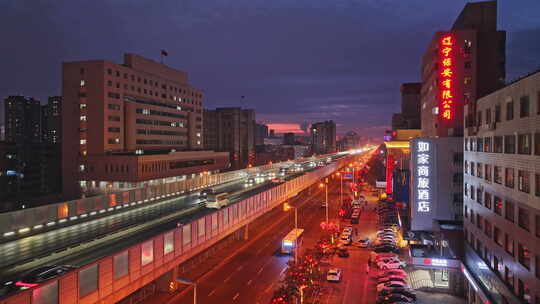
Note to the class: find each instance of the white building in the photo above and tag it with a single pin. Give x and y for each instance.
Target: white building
(502, 195)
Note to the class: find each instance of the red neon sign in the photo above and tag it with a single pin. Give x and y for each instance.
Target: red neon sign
(446, 81)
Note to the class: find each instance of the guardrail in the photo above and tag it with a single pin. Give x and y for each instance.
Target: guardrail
(23, 222)
(109, 279)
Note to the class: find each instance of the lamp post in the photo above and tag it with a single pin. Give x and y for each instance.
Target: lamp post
(326, 198)
(340, 189)
(287, 207)
(188, 282)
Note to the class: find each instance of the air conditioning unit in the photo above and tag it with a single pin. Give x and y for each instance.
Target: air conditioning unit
(493, 126)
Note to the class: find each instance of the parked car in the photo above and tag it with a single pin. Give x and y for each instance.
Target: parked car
(391, 272)
(390, 285)
(345, 239)
(343, 253)
(395, 298)
(347, 230)
(364, 243)
(391, 278)
(393, 264)
(398, 290)
(386, 248)
(333, 275)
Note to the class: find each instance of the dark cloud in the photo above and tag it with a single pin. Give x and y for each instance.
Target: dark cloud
(293, 60)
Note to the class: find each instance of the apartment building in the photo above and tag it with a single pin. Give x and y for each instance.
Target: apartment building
(502, 194)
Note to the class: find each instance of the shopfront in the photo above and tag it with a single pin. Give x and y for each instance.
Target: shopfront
(440, 274)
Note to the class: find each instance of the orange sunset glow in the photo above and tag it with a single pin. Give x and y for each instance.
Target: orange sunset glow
(285, 127)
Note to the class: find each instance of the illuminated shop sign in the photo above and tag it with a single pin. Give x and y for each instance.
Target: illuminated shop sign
(436, 262)
(423, 177)
(446, 80)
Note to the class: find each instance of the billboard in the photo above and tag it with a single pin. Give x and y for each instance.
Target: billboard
(423, 186)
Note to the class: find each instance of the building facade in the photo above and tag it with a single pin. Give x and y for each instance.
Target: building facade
(323, 137)
(459, 66)
(502, 194)
(231, 130)
(23, 131)
(409, 118)
(131, 109)
(261, 132)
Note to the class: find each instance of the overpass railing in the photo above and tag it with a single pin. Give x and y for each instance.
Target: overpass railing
(112, 278)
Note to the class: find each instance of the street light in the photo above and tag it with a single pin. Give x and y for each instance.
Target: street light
(341, 189)
(188, 282)
(321, 185)
(287, 207)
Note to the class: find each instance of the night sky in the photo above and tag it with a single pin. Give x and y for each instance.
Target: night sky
(293, 60)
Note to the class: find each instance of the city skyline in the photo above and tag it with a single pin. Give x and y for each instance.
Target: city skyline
(272, 62)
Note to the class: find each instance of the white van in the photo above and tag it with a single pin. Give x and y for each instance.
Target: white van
(217, 201)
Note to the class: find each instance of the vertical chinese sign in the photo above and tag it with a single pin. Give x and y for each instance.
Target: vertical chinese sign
(422, 184)
(423, 177)
(446, 67)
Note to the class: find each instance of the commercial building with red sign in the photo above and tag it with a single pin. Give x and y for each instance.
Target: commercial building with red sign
(460, 66)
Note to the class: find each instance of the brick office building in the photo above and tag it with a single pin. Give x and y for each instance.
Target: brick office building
(115, 115)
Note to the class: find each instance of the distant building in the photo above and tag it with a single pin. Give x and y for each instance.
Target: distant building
(273, 153)
(23, 131)
(10, 179)
(231, 130)
(288, 138)
(459, 66)
(114, 116)
(272, 133)
(261, 132)
(323, 137)
(409, 118)
(51, 145)
(351, 140)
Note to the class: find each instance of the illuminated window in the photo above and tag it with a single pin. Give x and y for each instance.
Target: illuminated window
(467, 80)
(83, 141)
(147, 253)
(82, 106)
(83, 83)
(83, 117)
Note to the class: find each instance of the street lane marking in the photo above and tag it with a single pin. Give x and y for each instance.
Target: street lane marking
(240, 267)
(260, 270)
(282, 271)
(228, 278)
(249, 282)
(212, 292)
(236, 296)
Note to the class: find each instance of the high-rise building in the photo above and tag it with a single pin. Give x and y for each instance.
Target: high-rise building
(51, 145)
(459, 66)
(128, 123)
(502, 194)
(23, 130)
(261, 132)
(323, 137)
(51, 120)
(409, 118)
(231, 130)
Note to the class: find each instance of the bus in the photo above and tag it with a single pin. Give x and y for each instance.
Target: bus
(288, 242)
(217, 200)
